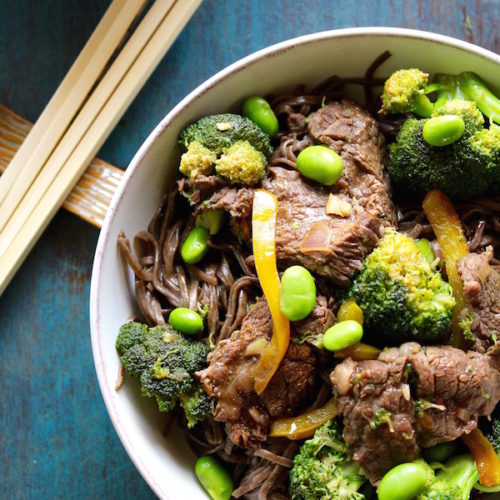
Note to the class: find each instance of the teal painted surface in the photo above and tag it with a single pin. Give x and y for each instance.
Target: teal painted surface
(56, 440)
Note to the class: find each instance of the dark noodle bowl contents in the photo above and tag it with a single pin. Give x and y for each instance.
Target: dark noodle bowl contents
(373, 368)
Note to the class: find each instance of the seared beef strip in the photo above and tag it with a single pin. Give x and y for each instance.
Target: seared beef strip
(482, 291)
(228, 379)
(214, 193)
(201, 187)
(354, 134)
(334, 247)
(412, 397)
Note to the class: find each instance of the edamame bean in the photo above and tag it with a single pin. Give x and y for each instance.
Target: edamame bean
(426, 250)
(211, 220)
(440, 452)
(195, 246)
(186, 321)
(342, 335)
(214, 478)
(350, 310)
(403, 482)
(297, 293)
(260, 112)
(320, 164)
(443, 130)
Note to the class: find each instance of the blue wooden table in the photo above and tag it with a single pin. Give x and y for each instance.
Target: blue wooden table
(56, 439)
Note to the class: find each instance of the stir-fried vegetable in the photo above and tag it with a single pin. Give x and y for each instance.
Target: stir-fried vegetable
(404, 481)
(359, 352)
(350, 310)
(321, 164)
(165, 362)
(487, 461)
(214, 478)
(297, 294)
(448, 230)
(264, 213)
(260, 112)
(303, 426)
(324, 468)
(342, 335)
(401, 295)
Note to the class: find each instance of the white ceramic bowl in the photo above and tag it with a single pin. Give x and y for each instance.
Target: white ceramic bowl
(167, 464)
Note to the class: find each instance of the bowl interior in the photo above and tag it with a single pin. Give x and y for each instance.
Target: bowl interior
(167, 464)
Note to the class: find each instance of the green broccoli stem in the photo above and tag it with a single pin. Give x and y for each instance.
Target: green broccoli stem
(476, 90)
(461, 472)
(467, 86)
(423, 106)
(447, 88)
(487, 489)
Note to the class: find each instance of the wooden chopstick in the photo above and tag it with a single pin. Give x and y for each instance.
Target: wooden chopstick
(11, 222)
(107, 118)
(66, 102)
(91, 196)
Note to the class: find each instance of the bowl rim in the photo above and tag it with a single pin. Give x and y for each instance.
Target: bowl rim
(235, 67)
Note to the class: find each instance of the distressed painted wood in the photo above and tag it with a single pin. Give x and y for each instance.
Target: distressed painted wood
(56, 439)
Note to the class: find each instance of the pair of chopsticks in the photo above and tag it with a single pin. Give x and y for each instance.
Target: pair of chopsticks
(85, 108)
(91, 196)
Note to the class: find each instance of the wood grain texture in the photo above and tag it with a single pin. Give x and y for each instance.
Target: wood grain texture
(56, 440)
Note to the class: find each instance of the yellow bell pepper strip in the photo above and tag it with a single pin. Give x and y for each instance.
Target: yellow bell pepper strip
(303, 426)
(358, 352)
(264, 214)
(448, 230)
(350, 310)
(487, 461)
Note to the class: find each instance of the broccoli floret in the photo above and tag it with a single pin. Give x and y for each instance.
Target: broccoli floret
(164, 361)
(197, 160)
(404, 92)
(453, 482)
(131, 333)
(236, 146)
(130, 347)
(324, 468)
(416, 167)
(402, 297)
(196, 406)
(491, 429)
(241, 164)
(220, 132)
(487, 143)
(494, 435)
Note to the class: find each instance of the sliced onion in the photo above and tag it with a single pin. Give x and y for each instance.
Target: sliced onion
(256, 347)
(341, 376)
(317, 239)
(463, 414)
(406, 391)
